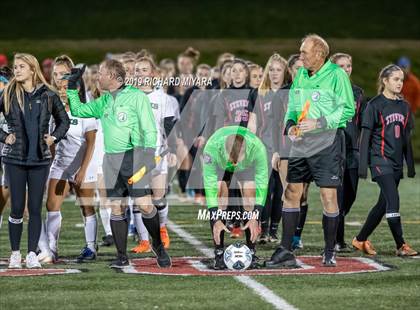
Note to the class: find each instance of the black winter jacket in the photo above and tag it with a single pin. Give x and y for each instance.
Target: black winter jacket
(50, 105)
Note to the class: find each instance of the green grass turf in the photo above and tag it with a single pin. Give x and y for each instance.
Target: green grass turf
(102, 288)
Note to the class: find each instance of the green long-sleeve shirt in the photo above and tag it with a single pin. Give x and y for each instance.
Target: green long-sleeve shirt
(329, 93)
(216, 157)
(127, 121)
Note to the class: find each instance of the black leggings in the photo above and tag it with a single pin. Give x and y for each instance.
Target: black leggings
(388, 204)
(35, 177)
(271, 214)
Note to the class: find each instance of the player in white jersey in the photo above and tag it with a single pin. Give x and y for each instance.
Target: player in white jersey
(164, 113)
(72, 164)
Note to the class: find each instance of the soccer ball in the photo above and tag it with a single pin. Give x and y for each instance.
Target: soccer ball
(237, 257)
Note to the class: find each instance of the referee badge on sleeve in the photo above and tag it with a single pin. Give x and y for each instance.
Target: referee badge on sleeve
(207, 159)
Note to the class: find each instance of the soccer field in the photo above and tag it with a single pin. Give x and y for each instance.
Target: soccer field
(98, 287)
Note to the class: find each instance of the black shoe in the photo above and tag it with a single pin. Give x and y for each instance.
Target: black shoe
(107, 240)
(273, 238)
(282, 258)
(328, 258)
(121, 262)
(219, 262)
(254, 262)
(263, 238)
(162, 258)
(342, 247)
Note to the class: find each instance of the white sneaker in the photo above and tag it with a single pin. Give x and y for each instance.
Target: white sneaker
(32, 261)
(15, 261)
(45, 257)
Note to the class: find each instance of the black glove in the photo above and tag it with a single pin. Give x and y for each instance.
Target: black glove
(75, 77)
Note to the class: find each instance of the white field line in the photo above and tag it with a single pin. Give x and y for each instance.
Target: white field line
(264, 292)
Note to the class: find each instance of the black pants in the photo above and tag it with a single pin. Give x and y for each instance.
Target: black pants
(273, 205)
(34, 178)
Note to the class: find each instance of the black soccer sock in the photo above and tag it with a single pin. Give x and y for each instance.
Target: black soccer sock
(277, 204)
(250, 244)
(302, 219)
(374, 218)
(329, 225)
(290, 220)
(15, 232)
(340, 229)
(183, 179)
(394, 223)
(152, 224)
(222, 236)
(119, 228)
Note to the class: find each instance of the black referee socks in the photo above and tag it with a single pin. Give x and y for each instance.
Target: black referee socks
(290, 220)
(330, 224)
(119, 228)
(151, 221)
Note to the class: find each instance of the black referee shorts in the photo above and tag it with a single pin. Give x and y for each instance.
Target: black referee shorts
(325, 167)
(117, 169)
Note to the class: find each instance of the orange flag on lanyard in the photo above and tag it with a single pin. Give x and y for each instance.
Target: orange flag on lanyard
(304, 113)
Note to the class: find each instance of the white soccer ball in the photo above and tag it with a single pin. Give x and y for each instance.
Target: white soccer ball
(237, 257)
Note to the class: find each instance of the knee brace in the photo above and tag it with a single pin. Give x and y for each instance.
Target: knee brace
(160, 204)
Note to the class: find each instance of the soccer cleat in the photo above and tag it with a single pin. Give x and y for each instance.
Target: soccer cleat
(219, 262)
(142, 247)
(364, 246)
(236, 233)
(282, 258)
(342, 247)
(46, 257)
(164, 236)
(255, 260)
(328, 258)
(31, 261)
(119, 263)
(15, 260)
(162, 258)
(406, 250)
(297, 243)
(86, 255)
(273, 238)
(264, 238)
(107, 240)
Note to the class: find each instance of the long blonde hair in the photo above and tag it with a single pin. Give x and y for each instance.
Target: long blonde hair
(15, 87)
(266, 83)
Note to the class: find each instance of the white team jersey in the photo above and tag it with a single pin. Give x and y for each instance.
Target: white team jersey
(70, 150)
(175, 106)
(98, 154)
(162, 108)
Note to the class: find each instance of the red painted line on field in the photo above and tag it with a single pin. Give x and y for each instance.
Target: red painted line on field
(196, 266)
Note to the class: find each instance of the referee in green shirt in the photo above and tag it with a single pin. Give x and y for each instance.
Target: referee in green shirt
(130, 135)
(320, 105)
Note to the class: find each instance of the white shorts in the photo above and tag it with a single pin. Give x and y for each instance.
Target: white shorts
(68, 174)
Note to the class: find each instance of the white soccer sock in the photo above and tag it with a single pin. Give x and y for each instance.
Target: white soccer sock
(90, 231)
(141, 229)
(43, 240)
(130, 205)
(163, 215)
(53, 226)
(1, 220)
(105, 214)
